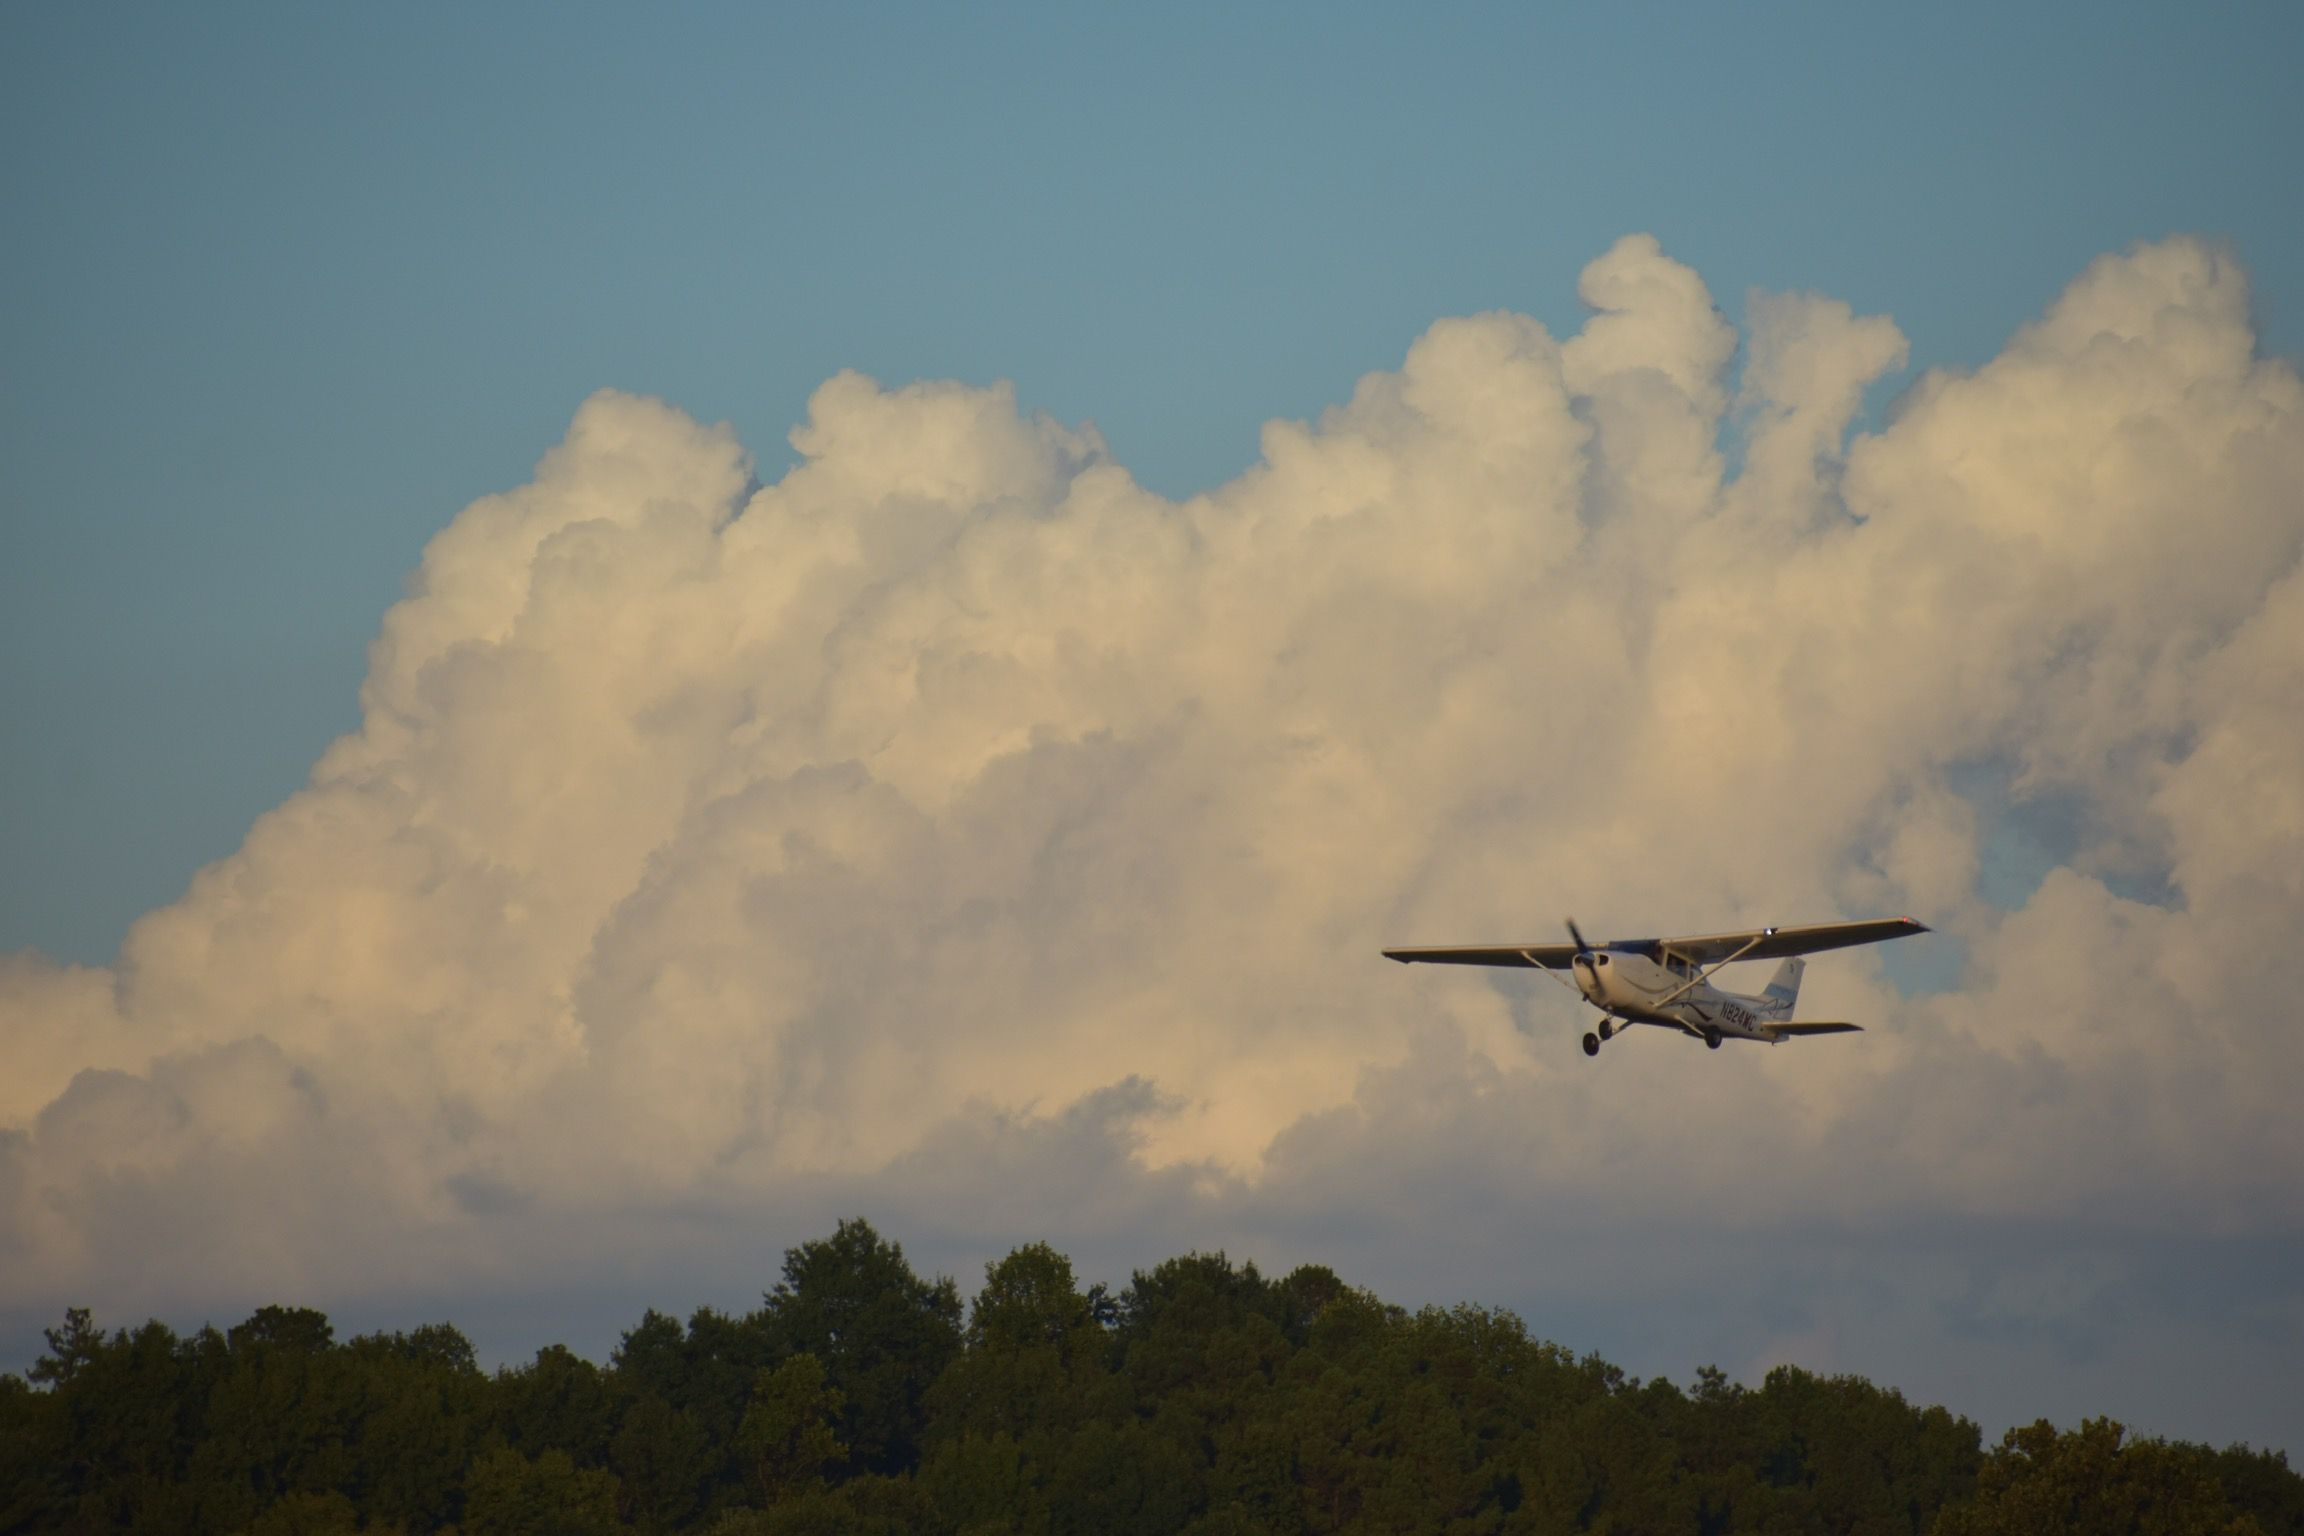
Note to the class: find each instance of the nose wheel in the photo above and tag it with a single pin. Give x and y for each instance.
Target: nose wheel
(1591, 1045)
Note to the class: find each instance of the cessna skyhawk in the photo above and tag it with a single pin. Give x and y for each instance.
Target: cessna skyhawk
(1668, 982)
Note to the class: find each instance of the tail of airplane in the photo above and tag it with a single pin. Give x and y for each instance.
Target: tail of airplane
(1784, 987)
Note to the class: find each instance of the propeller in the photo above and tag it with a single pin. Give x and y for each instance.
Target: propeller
(1586, 970)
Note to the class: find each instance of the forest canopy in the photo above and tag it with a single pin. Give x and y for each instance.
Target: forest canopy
(1202, 1397)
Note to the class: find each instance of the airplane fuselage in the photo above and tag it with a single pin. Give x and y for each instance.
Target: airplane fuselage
(1630, 986)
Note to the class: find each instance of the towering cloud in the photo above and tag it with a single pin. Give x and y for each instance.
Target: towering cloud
(957, 826)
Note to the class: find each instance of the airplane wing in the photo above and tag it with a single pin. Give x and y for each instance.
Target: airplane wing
(1545, 957)
(1705, 949)
(1777, 943)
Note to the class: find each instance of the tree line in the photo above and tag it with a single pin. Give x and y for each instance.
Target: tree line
(1202, 1397)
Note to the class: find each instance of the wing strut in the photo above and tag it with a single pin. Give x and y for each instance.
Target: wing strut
(1564, 981)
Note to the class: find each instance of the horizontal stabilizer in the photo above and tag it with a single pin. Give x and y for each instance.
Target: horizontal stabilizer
(1815, 1029)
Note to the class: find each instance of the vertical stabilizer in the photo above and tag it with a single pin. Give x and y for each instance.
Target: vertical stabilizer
(1784, 986)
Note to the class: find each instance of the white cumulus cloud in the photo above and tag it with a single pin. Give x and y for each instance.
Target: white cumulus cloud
(955, 825)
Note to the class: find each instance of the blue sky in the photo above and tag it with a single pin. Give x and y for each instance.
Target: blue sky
(287, 286)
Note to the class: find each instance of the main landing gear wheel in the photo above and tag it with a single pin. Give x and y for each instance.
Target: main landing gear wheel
(1591, 1045)
(1607, 1029)
(1712, 1039)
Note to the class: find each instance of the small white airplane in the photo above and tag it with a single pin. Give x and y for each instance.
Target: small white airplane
(1668, 982)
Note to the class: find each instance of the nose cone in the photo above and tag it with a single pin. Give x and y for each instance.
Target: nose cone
(1591, 979)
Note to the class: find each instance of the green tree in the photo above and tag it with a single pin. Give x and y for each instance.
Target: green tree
(1303, 1295)
(702, 1376)
(2261, 1486)
(2094, 1480)
(1120, 1480)
(417, 1410)
(309, 1514)
(506, 1494)
(124, 1411)
(1204, 1399)
(1253, 1480)
(787, 1434)
(883, 1334)
(1035, 1353)
(559, 1401)
(1603, 1467)
(1840, 1455)
(725, 1357)
(1029, 1300)
(1395, 1431)
(282, 1418)
(298, 1331)
(1230, 1520)
(71, 1348)
(862, 1506)
(32, 1455)
(652, 1358)
(984, 1483)
(1200, 1343)
(665, 1460)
